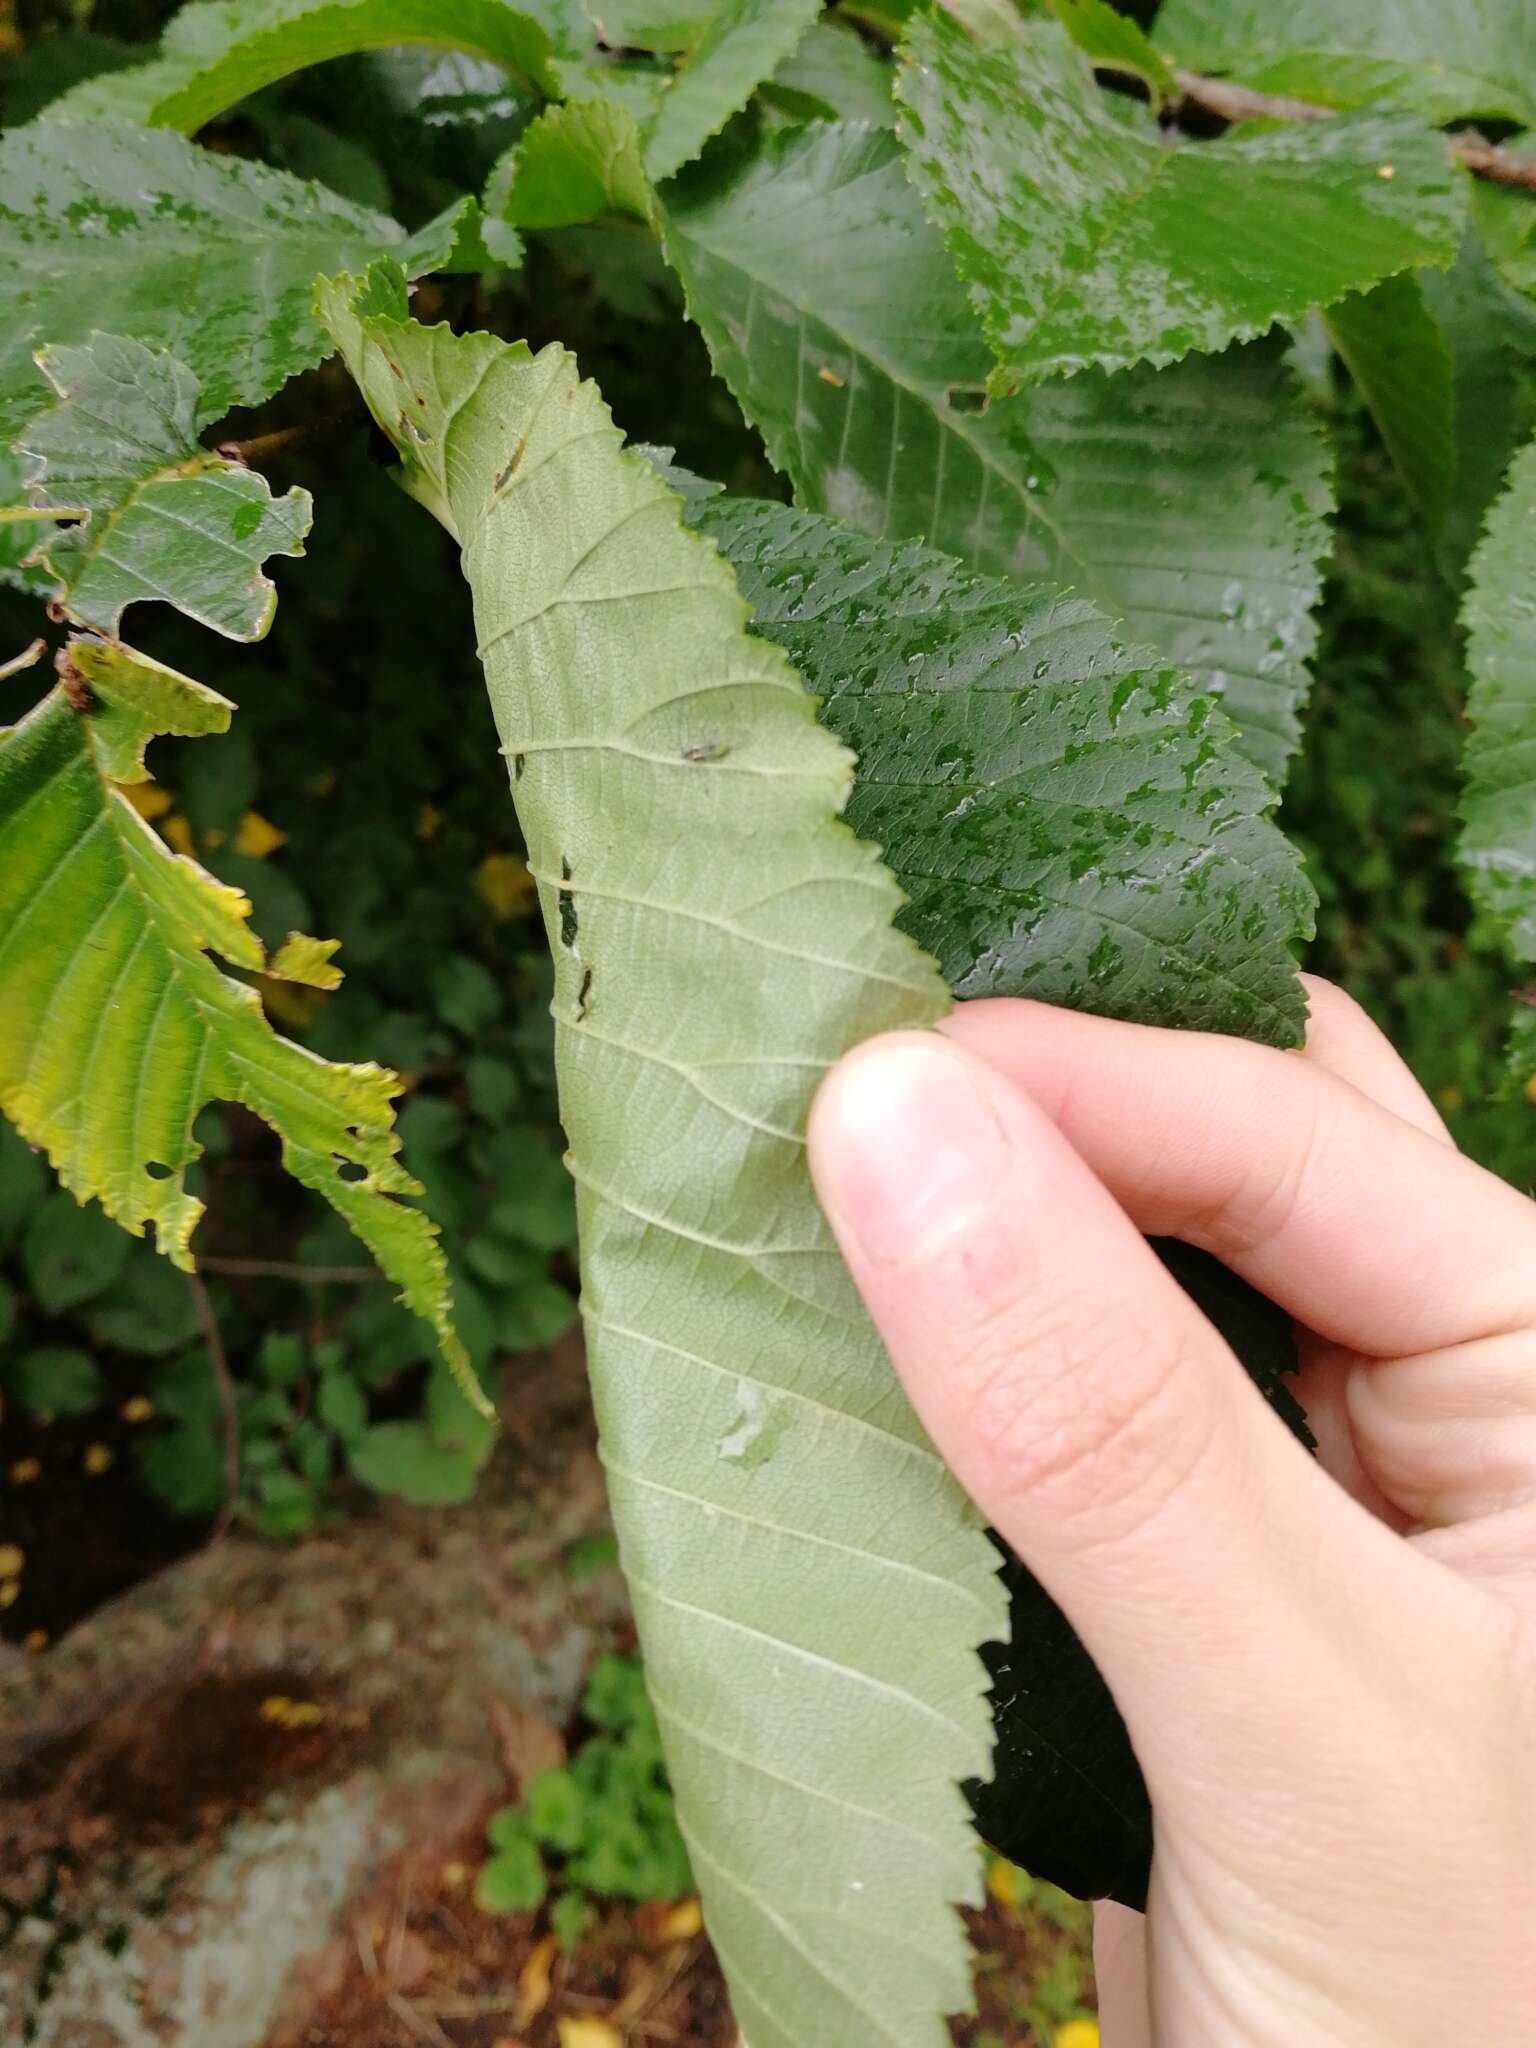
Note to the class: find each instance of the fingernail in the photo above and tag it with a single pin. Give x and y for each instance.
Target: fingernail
(906, 1149)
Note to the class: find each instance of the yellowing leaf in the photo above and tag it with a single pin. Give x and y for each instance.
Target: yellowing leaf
(257, 837)
(301, 958)
(117, 1027)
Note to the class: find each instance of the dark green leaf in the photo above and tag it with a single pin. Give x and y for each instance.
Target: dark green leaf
(1190, 502)
(55, 1379)
(150, 1311)
(185, 1468)
(220, 52)
(404, 1460)
(69, 1254)
(1062, 812)
(120, 229)
(1499, 841)
(1398, 358)
(1440, 57)
(1089, 237)
(342, 1406)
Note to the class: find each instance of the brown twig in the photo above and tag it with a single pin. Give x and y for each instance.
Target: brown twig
(28, 658)
(288, 1269)
(1238, 103)
(208, 1322)
(261, 446)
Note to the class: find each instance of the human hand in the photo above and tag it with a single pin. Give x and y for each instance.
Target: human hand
(1328, 1667)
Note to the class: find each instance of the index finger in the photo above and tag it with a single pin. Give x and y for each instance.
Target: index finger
(1370, 1230)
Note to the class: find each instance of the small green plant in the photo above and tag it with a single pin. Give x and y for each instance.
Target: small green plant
(599, 1827)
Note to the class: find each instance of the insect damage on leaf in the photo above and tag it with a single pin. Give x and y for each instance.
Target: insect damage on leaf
(159, 517)
(118, 1027)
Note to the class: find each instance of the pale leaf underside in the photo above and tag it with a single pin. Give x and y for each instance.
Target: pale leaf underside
(1189, 502)
(809, 1584)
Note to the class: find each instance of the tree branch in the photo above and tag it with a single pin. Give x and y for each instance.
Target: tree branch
(208, 1322)
(289, 1269)
(1237, 103)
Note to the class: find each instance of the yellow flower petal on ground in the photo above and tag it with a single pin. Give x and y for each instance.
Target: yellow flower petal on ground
(533, 1982)
(177, 834)
(98, 1458)
(1078, 2034)
(429, 822)
(258, 836)
(148, 799)
(589, 2034)
(684, 1921)
(12, 1559)
(504, 885)
(1003, 1881)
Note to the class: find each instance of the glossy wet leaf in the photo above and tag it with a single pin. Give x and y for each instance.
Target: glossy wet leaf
(719, 936)
(1191, 502)
(127, 231)
(1498, 844)
(1440, 57)
(743, 45)
(1064, 813)
(218, 52)
(1088, 236)
(161, 516)
(118, 1026)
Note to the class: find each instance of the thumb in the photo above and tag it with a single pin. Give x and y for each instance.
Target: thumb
(1103, 1426)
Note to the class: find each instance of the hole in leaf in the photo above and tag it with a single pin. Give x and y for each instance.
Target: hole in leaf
(352, 1170)
(568, 919)
(584, 994)
(966, 398)
(157, 1169)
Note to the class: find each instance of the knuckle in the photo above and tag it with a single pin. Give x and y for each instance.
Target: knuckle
(1084, 1407)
